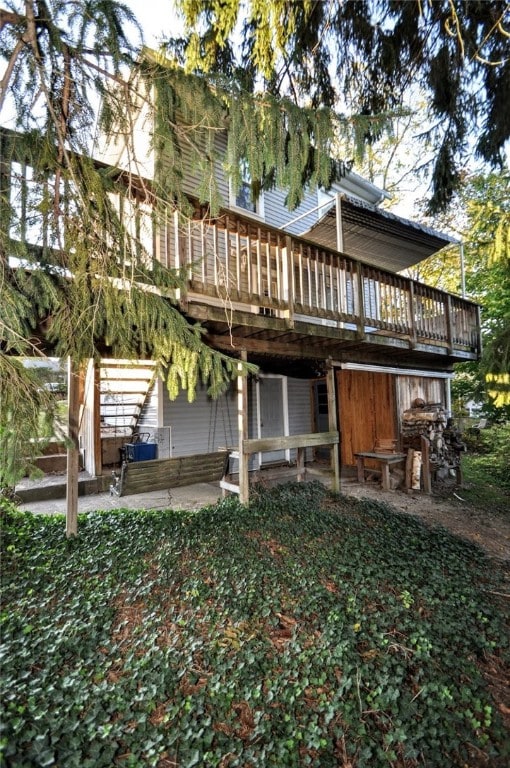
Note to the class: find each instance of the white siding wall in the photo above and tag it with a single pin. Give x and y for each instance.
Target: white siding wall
(300, 411)
(278, 215)
(130, 152)
(300, 408)
(207, 425)
(202, 426)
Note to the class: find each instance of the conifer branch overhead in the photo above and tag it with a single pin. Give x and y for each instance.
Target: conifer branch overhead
(366, 55)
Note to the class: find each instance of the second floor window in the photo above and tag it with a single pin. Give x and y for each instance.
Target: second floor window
(243, 199)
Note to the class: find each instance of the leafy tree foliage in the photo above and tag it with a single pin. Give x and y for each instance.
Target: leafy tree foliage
(488, 209)
(362, 57)
(76, 271)
(481, 217)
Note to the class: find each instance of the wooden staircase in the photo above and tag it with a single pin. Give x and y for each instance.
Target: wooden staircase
(124, 388)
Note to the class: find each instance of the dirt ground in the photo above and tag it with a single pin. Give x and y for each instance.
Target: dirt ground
(446, 507)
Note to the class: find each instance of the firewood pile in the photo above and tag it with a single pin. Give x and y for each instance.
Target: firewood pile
(444, 443)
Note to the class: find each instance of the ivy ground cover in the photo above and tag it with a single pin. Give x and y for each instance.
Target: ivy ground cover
(307, 630)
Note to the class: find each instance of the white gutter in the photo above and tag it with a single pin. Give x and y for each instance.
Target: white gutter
(388, 369)
(352, 181)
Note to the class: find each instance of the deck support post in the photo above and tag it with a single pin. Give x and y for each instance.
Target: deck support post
(425, 466)
(333, 427)
(73, 456)
(242, 424)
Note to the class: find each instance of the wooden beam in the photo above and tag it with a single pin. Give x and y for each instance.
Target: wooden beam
(73, 401)
(308, 440)
(425, 466)
(98, 458)
(302, 349)
(333, 427)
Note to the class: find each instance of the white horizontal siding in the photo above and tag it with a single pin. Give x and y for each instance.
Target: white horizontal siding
(202, 426)
(300, 411)
(207, 425)
(277, 214)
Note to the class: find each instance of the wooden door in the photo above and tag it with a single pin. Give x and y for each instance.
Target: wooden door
(366, 411)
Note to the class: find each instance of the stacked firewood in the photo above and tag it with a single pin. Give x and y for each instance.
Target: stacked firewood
(430, 421)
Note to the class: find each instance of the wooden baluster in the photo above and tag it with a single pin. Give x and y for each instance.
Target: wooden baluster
(227, 256)
(309, 277)
(177, 241)
(301, 294)
(268, 269)
(449, 329)
(203, 251)
(216, 255)
(290, 277)
(248, 263)
(278, 256)
(259, 263)
(238, 257)
(360, 320)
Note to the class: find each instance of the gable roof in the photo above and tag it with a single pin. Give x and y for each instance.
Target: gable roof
(378, 237)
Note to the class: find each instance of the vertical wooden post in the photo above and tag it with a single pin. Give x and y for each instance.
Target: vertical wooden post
(409, 470)
(98, 446)
(290, 278)
(339, 223)
(425, 465)
(333, 427)
(412, 315)
(242, 424)
(361, 301)
(73, 404)
(300, 464)
(449, 323)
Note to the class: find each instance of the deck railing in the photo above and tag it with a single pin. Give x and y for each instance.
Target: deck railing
(270, 272)
(263, 270)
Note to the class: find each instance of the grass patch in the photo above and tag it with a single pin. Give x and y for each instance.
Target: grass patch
(309, 630)
(486, 469)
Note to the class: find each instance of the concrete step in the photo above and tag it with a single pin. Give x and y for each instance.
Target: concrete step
(56, 488)
(53, 463)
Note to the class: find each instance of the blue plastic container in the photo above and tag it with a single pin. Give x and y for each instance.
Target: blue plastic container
(141, 451)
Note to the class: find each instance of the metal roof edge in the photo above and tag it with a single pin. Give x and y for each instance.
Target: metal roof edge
(399, 219)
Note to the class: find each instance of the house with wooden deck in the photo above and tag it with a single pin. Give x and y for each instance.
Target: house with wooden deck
(316, 299)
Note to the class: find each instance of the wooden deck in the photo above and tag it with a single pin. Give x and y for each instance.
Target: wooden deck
(254, 283)
(258, 288)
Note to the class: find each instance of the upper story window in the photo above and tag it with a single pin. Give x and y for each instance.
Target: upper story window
(243, 199)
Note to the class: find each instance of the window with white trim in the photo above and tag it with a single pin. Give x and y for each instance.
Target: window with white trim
(243, 198)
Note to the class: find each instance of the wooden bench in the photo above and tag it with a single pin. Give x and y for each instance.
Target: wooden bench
(163, 474)
(386, 460)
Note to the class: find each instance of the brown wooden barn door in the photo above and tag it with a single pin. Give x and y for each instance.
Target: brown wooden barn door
(366, 411)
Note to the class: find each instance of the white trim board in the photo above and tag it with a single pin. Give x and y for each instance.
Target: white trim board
(388, 369)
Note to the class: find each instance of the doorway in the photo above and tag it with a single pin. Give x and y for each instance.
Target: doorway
(272, 412)
(367, 411)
